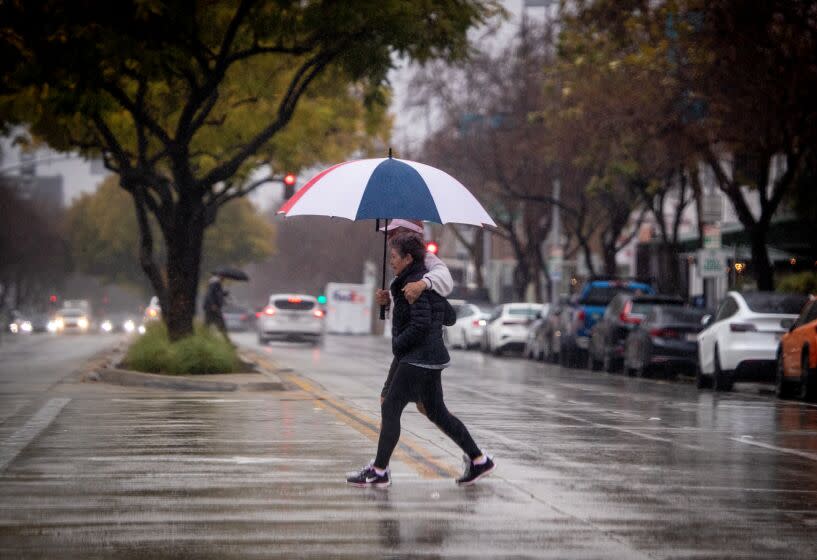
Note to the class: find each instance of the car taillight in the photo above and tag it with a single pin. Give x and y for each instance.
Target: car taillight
(318, 313)
(742, 327)
(664, 333)
(475, 323)
(258, 314)
(580, 316)
(625, 316)
(269, 310)
(244, 317)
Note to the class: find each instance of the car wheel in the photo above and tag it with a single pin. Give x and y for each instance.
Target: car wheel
(610, 365)
(592, 363)
(702, 381)
(721, 380)
(808, 379)
(781, 386)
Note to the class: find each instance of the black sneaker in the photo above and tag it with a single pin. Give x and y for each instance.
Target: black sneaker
(475, 472)
(368, 478)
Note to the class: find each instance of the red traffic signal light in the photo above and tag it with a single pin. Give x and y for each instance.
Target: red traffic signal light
(289, 180)
(53, 299)
(432, 247)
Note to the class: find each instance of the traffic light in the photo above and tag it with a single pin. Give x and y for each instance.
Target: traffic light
(322, 299)
(53, 298)
(432, 247)
(289, 185)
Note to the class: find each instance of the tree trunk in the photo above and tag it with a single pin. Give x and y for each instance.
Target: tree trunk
(183, 263)
(610, 260)
(762, 266)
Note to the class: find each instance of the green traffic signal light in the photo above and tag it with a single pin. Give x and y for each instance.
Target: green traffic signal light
(321, 299)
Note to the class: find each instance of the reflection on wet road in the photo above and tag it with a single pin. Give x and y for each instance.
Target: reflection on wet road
(589, 466)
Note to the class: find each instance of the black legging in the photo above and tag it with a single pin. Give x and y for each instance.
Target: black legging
(415, 384)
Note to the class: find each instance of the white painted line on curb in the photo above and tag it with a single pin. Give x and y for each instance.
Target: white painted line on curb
(23, 436)
(812, 456)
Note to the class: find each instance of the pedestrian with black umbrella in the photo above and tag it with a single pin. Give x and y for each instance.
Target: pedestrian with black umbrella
(215, 296)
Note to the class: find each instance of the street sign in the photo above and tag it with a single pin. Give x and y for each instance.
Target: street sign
(712, 263)
(712, 236)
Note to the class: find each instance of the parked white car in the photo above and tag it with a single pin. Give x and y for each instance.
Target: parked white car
(291, 317)
(508, 326)
(740, 342)
(471, 320)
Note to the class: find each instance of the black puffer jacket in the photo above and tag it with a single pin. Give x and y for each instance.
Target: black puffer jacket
(417, 335)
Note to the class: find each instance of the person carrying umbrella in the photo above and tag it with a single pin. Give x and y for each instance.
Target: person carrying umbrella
(214, 302)
(421, 355)
(437, 278)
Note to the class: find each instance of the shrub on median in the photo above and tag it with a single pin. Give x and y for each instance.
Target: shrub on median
(205, 351)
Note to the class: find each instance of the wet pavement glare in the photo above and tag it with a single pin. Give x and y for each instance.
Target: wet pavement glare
(590, 465)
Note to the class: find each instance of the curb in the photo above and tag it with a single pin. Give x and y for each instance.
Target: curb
(109, 373)
(130, 378)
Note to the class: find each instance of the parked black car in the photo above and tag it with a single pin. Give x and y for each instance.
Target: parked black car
(625, 312)
(667, 338)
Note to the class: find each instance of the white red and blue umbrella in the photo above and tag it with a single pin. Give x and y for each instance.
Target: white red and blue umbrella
(384, 189)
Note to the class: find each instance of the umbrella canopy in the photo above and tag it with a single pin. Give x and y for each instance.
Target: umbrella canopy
(232, 273)
(387, 188)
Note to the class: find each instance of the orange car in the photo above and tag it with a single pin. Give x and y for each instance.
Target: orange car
(797, 355)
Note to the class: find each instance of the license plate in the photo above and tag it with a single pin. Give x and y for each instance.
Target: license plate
(692, 337)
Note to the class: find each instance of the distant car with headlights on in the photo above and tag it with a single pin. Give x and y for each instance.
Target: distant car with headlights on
(19, 324)
(71, 321)
(117, 322)
(291, 317)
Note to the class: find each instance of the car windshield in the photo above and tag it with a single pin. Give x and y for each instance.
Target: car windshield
(72, 312)
(602, 295)
(524, 311)
(681, 315)
(294, 304)
(766, 302)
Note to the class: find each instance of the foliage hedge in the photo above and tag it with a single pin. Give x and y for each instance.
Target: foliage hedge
(800, 283)
(205, 351)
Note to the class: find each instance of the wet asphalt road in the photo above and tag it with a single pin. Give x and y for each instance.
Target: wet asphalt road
(589, 465)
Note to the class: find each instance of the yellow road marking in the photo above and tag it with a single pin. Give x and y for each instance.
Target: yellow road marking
(408, 450)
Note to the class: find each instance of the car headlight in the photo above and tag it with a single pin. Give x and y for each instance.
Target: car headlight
(14, 328)
(59, 323)
(107, 326)
(129, 326)
(52, 326)
(83, 323)
(141, 329)
(26, 326)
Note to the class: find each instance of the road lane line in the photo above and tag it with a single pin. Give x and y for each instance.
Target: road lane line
(23, 436)
(419, 458)
(811, 456)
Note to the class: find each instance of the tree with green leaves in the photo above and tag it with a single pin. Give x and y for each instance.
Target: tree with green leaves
(184, 99)
(104, 237)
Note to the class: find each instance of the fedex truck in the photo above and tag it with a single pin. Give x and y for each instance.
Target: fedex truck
(349, 308)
